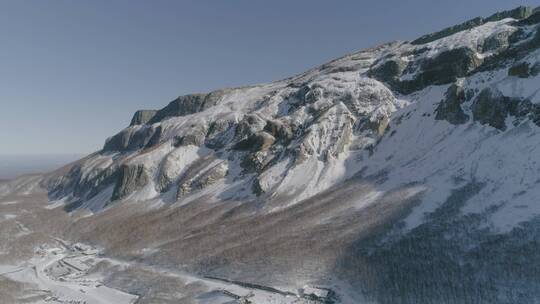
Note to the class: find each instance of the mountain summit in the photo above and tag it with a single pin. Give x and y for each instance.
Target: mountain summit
(404, 173)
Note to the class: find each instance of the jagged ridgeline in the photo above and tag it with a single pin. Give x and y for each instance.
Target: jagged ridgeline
(408, 170)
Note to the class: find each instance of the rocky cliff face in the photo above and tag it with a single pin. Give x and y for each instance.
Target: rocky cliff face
(263, 135)
(432, 144)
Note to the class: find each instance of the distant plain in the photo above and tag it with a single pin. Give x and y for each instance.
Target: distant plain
(12, 166)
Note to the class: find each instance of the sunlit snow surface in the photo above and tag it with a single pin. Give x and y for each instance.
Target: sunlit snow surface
(61, 274)
(64, 275)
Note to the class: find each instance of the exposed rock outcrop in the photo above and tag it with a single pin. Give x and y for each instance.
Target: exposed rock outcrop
(142, 117)
(279, 130)
(520, 70)
(521, 45)
(449, 31)
(188, 104)
(450, 108)
(133, 138)
(195, 136)
(256, 162)
(390, 71)
(248, 126)
(220, 133)
(257, 142)
(130, 178)
(83, 181)
(168, 172)
(532, 19)
(183, 105)
(517, 13)
(445, 68)
(492, 108)
(203, 180)
(497, 41)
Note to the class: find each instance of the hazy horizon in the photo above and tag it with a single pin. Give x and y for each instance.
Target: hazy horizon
(74, 72)
(12, 166)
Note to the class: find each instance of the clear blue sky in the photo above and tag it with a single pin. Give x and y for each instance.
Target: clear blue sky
(73, 72)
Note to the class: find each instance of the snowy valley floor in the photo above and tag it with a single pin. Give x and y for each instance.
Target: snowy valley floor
(37, 266)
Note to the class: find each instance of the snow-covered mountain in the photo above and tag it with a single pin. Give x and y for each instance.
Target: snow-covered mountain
(404, 173)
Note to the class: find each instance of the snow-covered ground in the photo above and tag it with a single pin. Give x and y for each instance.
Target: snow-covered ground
(63, 275)
(60, 275)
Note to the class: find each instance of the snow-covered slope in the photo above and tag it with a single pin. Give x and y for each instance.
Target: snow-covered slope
(254, 143)
(260, 143)
(408, 172)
